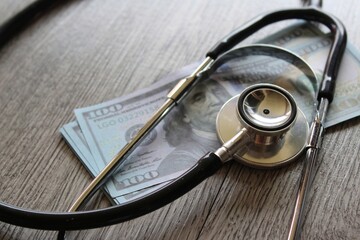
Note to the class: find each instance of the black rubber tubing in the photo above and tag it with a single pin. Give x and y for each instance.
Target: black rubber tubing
(21, 20)
(203, 169)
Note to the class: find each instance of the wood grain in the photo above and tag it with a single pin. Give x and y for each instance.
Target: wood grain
(85, 52)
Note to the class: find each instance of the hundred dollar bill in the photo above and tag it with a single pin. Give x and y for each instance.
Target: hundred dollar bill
(74, 137)
(108, 126)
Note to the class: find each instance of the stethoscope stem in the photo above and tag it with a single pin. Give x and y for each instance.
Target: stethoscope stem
(301, 199)
(307, 174)
(173, 97)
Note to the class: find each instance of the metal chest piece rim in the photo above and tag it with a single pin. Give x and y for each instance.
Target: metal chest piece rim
(277, 127)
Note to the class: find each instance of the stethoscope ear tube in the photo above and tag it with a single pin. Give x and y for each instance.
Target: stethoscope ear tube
(327, 87)
(203, 169)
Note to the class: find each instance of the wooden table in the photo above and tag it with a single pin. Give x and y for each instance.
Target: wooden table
(85, 52)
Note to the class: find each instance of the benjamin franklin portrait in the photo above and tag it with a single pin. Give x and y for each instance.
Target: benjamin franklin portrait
(191, 126)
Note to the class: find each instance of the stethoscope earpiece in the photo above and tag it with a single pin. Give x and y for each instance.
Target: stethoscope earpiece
(276, 129)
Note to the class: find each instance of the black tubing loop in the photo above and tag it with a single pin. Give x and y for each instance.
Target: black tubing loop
(336, 52)
(22, 19)
(203, 169)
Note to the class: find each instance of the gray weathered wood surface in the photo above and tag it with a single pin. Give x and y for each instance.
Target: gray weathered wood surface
(85, 52)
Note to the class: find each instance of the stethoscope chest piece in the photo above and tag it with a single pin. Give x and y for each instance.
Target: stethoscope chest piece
(277, 128)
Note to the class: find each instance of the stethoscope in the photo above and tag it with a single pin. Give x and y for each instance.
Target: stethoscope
(263, 118)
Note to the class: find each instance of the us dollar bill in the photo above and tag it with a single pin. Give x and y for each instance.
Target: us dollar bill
(174, 146)
(74, 137)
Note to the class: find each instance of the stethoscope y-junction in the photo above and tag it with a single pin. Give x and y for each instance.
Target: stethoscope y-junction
(259, 127)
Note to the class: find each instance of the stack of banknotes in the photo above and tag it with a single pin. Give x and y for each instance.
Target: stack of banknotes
(100, 131)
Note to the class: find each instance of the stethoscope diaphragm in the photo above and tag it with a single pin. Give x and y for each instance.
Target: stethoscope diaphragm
(277, 127)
